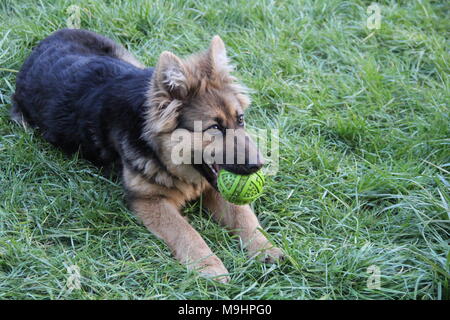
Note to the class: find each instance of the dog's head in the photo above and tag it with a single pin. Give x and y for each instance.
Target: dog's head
(200, 96)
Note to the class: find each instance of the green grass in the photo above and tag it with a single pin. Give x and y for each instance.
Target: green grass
(364, 157)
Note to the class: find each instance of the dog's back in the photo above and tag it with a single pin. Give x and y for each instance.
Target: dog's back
(64, 86)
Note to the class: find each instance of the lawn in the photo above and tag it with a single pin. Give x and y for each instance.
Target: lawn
(363, 184)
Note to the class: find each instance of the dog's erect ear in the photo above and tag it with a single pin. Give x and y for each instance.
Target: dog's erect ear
(171, 75)
(218, 56)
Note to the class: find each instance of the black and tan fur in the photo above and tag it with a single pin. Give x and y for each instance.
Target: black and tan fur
(86, 93)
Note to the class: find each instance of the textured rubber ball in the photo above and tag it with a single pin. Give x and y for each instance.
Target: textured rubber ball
(240, 189)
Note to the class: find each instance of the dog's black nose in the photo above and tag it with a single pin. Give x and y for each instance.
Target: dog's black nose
(244, 169)
(254, 167)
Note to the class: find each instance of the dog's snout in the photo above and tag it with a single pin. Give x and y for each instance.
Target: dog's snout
(255, 166)
(244, 169)
(243, 153)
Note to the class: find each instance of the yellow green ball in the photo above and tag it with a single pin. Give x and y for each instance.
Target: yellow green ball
(240, 189)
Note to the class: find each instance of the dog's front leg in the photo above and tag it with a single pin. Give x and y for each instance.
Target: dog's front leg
(162, 217)
(243, 221)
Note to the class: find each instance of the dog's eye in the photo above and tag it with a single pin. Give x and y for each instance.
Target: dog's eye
(214, 127)
(241, 119)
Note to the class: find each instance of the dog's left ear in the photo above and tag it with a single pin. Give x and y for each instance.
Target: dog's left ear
(219, 61)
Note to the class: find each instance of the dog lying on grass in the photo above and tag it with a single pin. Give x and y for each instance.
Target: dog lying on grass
(85, 93)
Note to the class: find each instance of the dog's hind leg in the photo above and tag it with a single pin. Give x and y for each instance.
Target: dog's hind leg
(162, 217)
(243, 221)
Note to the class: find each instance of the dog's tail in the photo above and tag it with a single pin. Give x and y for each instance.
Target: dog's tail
(16, 114)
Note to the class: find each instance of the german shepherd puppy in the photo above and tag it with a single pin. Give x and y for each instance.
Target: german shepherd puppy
(86, 93)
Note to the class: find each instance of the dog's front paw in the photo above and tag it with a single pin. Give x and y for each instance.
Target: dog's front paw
(270, 255)
(213, 268)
